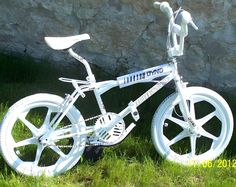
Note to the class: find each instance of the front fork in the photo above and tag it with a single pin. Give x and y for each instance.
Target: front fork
(184, 106)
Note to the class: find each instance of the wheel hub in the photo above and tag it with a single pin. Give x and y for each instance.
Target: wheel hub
(44, 140)
(195, 131)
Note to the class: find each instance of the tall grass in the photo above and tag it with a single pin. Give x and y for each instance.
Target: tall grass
(134, 162)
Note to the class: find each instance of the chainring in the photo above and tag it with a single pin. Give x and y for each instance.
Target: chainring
(112, 135)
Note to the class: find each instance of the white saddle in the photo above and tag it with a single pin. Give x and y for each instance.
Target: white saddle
(60, 43)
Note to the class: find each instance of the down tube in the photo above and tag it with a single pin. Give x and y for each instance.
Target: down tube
(153, 90)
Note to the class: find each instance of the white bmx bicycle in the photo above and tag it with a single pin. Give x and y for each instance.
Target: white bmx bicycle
(191, 126)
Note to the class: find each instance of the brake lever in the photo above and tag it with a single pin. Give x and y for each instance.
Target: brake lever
(193, 25)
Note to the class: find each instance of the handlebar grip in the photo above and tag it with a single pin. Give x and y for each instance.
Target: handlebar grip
(193, 25)
(164, 7)
(156, 4)
(187, 19)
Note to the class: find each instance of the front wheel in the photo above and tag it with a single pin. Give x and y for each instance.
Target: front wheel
(178, 141)
(23, 128)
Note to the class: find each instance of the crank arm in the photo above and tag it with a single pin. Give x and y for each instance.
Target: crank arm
(125, 134)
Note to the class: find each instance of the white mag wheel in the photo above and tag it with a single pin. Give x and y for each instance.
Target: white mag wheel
(174, 138)
(23, 127)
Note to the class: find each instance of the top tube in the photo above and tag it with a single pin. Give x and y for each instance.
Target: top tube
(146, 75)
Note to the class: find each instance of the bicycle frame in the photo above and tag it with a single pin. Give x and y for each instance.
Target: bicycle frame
(161, 75)
(166, 73)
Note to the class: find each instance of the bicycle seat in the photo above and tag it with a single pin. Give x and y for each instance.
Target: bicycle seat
(61, 43)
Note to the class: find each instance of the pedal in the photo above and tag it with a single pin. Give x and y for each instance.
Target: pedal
(129, 128)
(134, 111)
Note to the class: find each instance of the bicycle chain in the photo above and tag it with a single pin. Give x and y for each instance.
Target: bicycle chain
(94, 117)
(85, 120)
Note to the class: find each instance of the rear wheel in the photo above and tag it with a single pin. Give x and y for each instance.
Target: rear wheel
(26, 136)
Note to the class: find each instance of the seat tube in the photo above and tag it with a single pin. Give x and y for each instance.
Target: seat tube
(100, 102)
(85, 63)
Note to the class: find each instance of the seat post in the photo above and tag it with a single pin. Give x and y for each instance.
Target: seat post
(91, 76)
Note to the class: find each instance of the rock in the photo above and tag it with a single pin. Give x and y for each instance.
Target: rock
(126, 35)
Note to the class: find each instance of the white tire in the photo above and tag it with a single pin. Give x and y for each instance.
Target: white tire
(176, 141)
(23, 126)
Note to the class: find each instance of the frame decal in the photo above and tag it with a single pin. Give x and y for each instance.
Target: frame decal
(146, 75)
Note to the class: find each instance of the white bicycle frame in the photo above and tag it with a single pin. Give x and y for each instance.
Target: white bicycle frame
(164, 73)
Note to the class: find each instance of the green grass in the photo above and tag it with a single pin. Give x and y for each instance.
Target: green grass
(134, 162)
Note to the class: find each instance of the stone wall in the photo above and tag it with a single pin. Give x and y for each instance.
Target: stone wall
(126, 35)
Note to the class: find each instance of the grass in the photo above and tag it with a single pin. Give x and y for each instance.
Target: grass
(134, 162)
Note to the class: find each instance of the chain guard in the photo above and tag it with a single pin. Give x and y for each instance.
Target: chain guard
(112, 135)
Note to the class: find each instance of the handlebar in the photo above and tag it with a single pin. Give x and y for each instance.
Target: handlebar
(175, 47)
